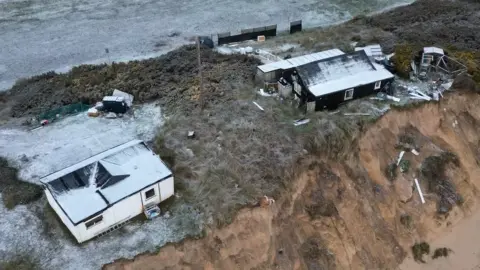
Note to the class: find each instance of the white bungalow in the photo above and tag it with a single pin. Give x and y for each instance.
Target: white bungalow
(105, 191)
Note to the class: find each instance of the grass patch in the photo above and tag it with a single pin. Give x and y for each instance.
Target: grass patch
(391, 171)
(407, 221)
(316, 255)
(433, 170)
(15, 191)
(404, 165)
(20, 263)
(441, 252)
(419, 250)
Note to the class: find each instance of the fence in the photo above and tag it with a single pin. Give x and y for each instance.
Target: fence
(247, 34)
(54, 114)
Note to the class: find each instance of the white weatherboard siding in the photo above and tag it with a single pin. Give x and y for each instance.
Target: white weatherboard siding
(116, 192)
(61, 214)
(299, 60)
(152, 200)
(166, 188)
(433, 50)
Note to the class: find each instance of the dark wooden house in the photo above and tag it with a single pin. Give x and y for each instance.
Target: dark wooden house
(326, 83)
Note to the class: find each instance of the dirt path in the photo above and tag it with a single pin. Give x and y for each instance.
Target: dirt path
(463, 239)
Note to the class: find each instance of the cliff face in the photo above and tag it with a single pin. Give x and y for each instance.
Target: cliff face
(359, 213)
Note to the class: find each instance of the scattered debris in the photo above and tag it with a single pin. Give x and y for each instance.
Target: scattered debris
(415, 152)
(44, 122)
(266, 201)
(266, 94)
(261, 38)
(301, 121)
(419, 250)
(128, 98)
(114, 104)
(93, 112)
(419, 191)
(111, 115)
(260, 107)
(400, 156)
(191, 134)
(396, 99)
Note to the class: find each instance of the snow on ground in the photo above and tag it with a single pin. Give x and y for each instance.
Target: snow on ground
(23, 232)
(74, 139)
(63, 143)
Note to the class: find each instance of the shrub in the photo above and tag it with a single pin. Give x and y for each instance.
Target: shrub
(441, 252)
(15, 191)
(419, 250)
(402, 59)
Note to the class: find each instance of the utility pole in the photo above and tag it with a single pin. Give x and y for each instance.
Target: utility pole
(202, 102)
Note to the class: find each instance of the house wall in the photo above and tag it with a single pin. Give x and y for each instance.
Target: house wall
(331, 101)
(121, 211)
(166, 188)
(63, 217)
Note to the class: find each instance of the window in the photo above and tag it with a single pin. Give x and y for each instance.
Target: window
(149, 193)
(93, 222)
(349, 94)
(378, 85)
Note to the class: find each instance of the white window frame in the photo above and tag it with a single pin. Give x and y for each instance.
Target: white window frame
(378, 85)
(153, 196)
(347, 97)
(95, 223)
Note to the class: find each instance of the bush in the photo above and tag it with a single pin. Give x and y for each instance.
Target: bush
(419, 250)
(407, 221)
(15, 191)
(441, 252)
(404, 54)
(20, 263)
(391, 171)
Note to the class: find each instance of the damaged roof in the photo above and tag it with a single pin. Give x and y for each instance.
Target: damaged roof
(340, 73)
(91, 186)
(299, 60)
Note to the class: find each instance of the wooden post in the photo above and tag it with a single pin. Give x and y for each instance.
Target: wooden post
(202, 101)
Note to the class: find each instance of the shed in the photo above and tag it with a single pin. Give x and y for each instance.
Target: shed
(271, 72)
(338, 79)
(373, 51)
(105, 191)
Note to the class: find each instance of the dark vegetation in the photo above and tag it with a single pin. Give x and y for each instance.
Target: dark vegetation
(316, 255)
(15, 191)
(171, 78)
(441, 252)
(420, 249)
(20, 263)
(433, 170)
(407, 221)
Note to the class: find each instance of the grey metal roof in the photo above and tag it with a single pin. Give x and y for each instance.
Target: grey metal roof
(341, 72)
(299, 60)
(90, 186)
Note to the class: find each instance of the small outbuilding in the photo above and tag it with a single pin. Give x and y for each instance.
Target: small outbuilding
(105, 191)
(329, 82)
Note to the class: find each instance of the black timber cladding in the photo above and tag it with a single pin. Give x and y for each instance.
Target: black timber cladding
(311, 74)
(247, 34)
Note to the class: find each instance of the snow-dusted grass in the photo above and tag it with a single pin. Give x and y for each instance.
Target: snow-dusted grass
(73, 139)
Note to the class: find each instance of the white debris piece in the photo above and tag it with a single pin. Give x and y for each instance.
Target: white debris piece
(260, 107)
(396, 99)
(433, 50)
(447, 85)
(262, 93)
(128, 98)
(415, 152)
(357, 114)
(400, 157)
(301, 122)
(419, 191)
(111, 115)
